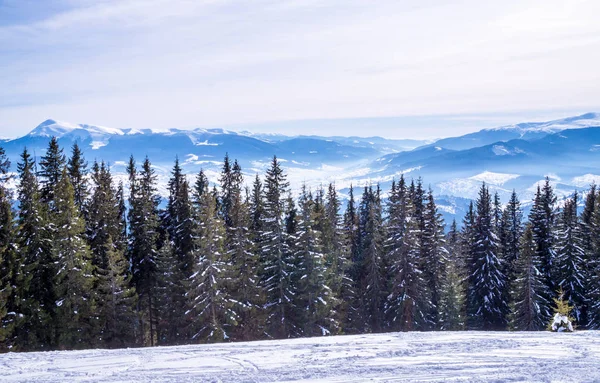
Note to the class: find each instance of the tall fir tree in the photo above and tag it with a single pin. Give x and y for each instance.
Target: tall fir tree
(73, 280)
(542, 218)
(404, 307)
(143, 238)
(210, 311)
(510, 233)
(77, 169)
(486, 305)
(8, 258)
(529, 307)
(51, 167)
(569, 250)
(36, 269)
(277, 265)
(243, 285)
(452, 308)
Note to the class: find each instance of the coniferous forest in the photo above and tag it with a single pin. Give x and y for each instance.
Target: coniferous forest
(87, 262)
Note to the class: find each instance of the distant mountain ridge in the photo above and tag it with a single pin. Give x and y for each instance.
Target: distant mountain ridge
(508, 157)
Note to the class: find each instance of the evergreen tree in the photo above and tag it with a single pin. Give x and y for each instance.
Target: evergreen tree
(541, 218)
(77, 168)
(433, 256)
(8, 259)
(51, 167)
(569, 250)
(593, 262)
(337, 260)
(587, 238)
(116, 299)
(486, 307)
(373, 285)
(354, 322)
(73, 280)
(277, 267)
(404, 307)
(529, 307)
(244, 279)
(210, 313)
(313, 295)
(510, 233)
(36, 269)
(452, 307)
(143, 238)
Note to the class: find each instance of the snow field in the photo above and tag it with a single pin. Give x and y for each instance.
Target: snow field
(393, 357)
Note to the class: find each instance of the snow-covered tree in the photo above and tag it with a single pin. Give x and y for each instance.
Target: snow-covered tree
(486, 306)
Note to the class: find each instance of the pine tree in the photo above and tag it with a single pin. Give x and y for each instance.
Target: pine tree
(593, 261)
(313, 296)
(209, 313)
(73, 280)
(354, 321)
(486, 307)
(51, 167)
(182, 229)
(569, 250)
(170, 295)
(373, 285)
(36, 269)
(510, 233)
(244, 279)
(433, 256)
(277, 267)
(143, 238)
(337, 260)
(77, 168)
(589, 262)
(115, 299)
(542, 217)
(529, 307)
(452, 296)
(8, 260)
(404, 304)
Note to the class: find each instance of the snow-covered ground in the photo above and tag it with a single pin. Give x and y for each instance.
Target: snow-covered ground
(394, 357)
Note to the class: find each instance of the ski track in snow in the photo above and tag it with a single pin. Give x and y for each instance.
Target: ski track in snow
(393, 357)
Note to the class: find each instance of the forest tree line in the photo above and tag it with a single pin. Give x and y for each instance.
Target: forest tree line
(84, 265)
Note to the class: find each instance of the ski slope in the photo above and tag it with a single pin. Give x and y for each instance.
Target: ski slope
(394, 357)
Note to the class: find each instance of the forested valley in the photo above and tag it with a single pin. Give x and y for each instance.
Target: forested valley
(88, 262)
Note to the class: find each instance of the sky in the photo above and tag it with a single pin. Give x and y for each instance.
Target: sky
(399, 69)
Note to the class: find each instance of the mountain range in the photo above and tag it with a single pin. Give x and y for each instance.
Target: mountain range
(509, 157)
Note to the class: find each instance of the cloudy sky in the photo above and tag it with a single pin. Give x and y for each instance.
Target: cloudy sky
(426, 68)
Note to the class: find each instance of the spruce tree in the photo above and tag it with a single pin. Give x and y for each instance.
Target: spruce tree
(143, 238)
(452, 307)
(51, 167)
(337, 260)
(36, 269)
(116, 299)
(529, 307)
(210, 314)
(593, 261)
(510, 233)
(486, 305)
(373, 284)
(433, 256)
(244, 286)
(569, 250)
(73, 280)
(8, 257)
(404, 306)
(541, 218)
(354, 321)
(77, 168)
(313, 295)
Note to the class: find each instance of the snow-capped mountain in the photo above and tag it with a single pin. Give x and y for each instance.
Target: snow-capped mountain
(523, 131)
(510, 157)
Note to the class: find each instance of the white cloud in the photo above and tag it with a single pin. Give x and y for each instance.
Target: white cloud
(179, 63)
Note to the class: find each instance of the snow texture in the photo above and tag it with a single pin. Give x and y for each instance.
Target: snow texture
(396, 357)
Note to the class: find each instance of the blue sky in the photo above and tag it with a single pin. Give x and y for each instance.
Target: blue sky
(401, 69)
